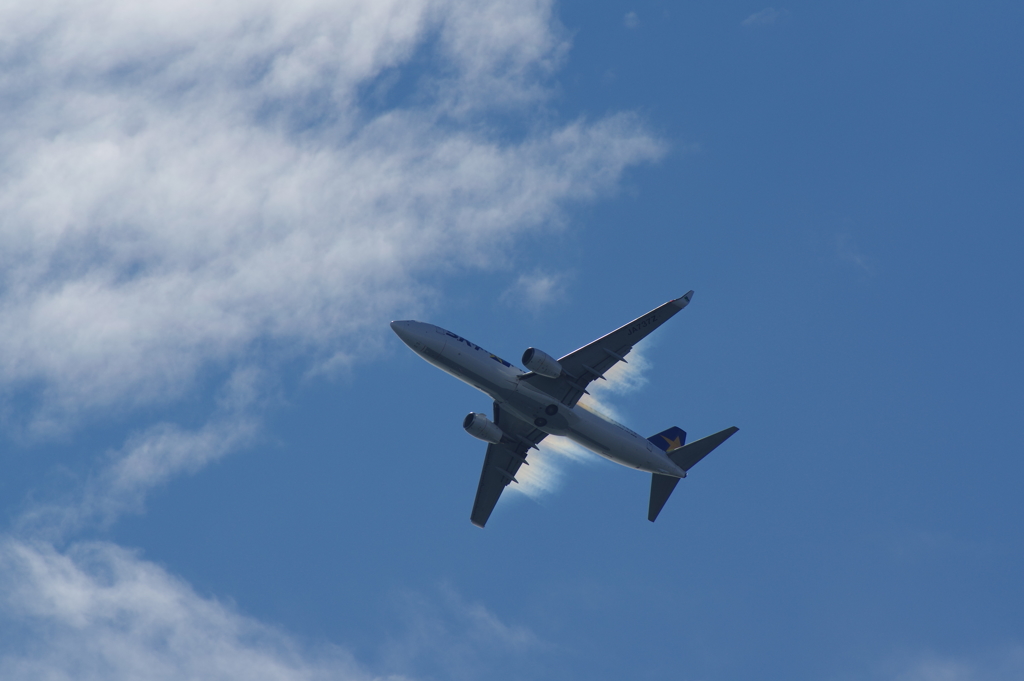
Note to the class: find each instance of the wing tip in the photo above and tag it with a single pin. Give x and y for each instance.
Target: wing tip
(684, 299)
(478, 517)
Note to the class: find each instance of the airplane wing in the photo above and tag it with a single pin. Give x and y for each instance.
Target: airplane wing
(502, 462)
(590, 362)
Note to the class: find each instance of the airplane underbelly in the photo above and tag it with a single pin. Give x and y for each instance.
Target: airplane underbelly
(604, 441)
(587, 429)
(542, 410)
(478, 370)
(617, 444)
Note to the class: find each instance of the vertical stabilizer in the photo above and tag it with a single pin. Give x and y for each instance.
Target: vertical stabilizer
(669, 440)
(662, 485)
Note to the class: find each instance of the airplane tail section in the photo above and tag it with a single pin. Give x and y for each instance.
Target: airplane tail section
(669, 440)
(662, 485)
(685, 456)
(688, 456)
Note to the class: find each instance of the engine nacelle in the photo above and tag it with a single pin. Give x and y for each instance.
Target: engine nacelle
(482, 428)
(541, 363)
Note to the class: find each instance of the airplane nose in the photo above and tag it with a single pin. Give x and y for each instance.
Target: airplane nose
(416, 335)
(402, 330)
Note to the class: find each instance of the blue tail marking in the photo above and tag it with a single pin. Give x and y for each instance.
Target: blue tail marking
(669, 440)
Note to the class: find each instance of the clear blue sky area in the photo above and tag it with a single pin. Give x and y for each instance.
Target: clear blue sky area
(843, 188)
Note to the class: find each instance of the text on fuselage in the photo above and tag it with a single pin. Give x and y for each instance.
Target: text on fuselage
(477, 347)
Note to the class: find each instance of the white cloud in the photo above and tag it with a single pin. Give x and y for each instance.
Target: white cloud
(148, 459)
(631, 20)
(1005, 664)
(769, 15)
(847, 250)
(545, 472)
(622, 379)
(184, 180)
(166, 207)
(534, 290)
(441, 635)
(99, 612)
(188, 185)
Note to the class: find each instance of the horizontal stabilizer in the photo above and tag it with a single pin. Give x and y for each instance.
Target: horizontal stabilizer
(687, 456)
(661, 489)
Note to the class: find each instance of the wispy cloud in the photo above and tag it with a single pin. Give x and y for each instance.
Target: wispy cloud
(98, 612)
(631, 20)
(184, 182)
(847, 250)
(192, 186)
(534, 290)
(442, 635)
(623, 379)
(769, 15)
(1003, 664)
(123, 478)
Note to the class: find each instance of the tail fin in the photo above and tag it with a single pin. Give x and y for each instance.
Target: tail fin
(669, 440)
(684, 456)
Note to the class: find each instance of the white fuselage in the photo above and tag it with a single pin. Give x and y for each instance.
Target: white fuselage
(502, 382)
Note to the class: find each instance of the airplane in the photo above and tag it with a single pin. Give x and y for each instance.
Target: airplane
(529, 406)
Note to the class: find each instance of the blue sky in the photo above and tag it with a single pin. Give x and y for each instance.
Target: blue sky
(219, 463)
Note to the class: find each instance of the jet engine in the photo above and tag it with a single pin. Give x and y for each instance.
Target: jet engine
(541, 363)
(481, 427)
